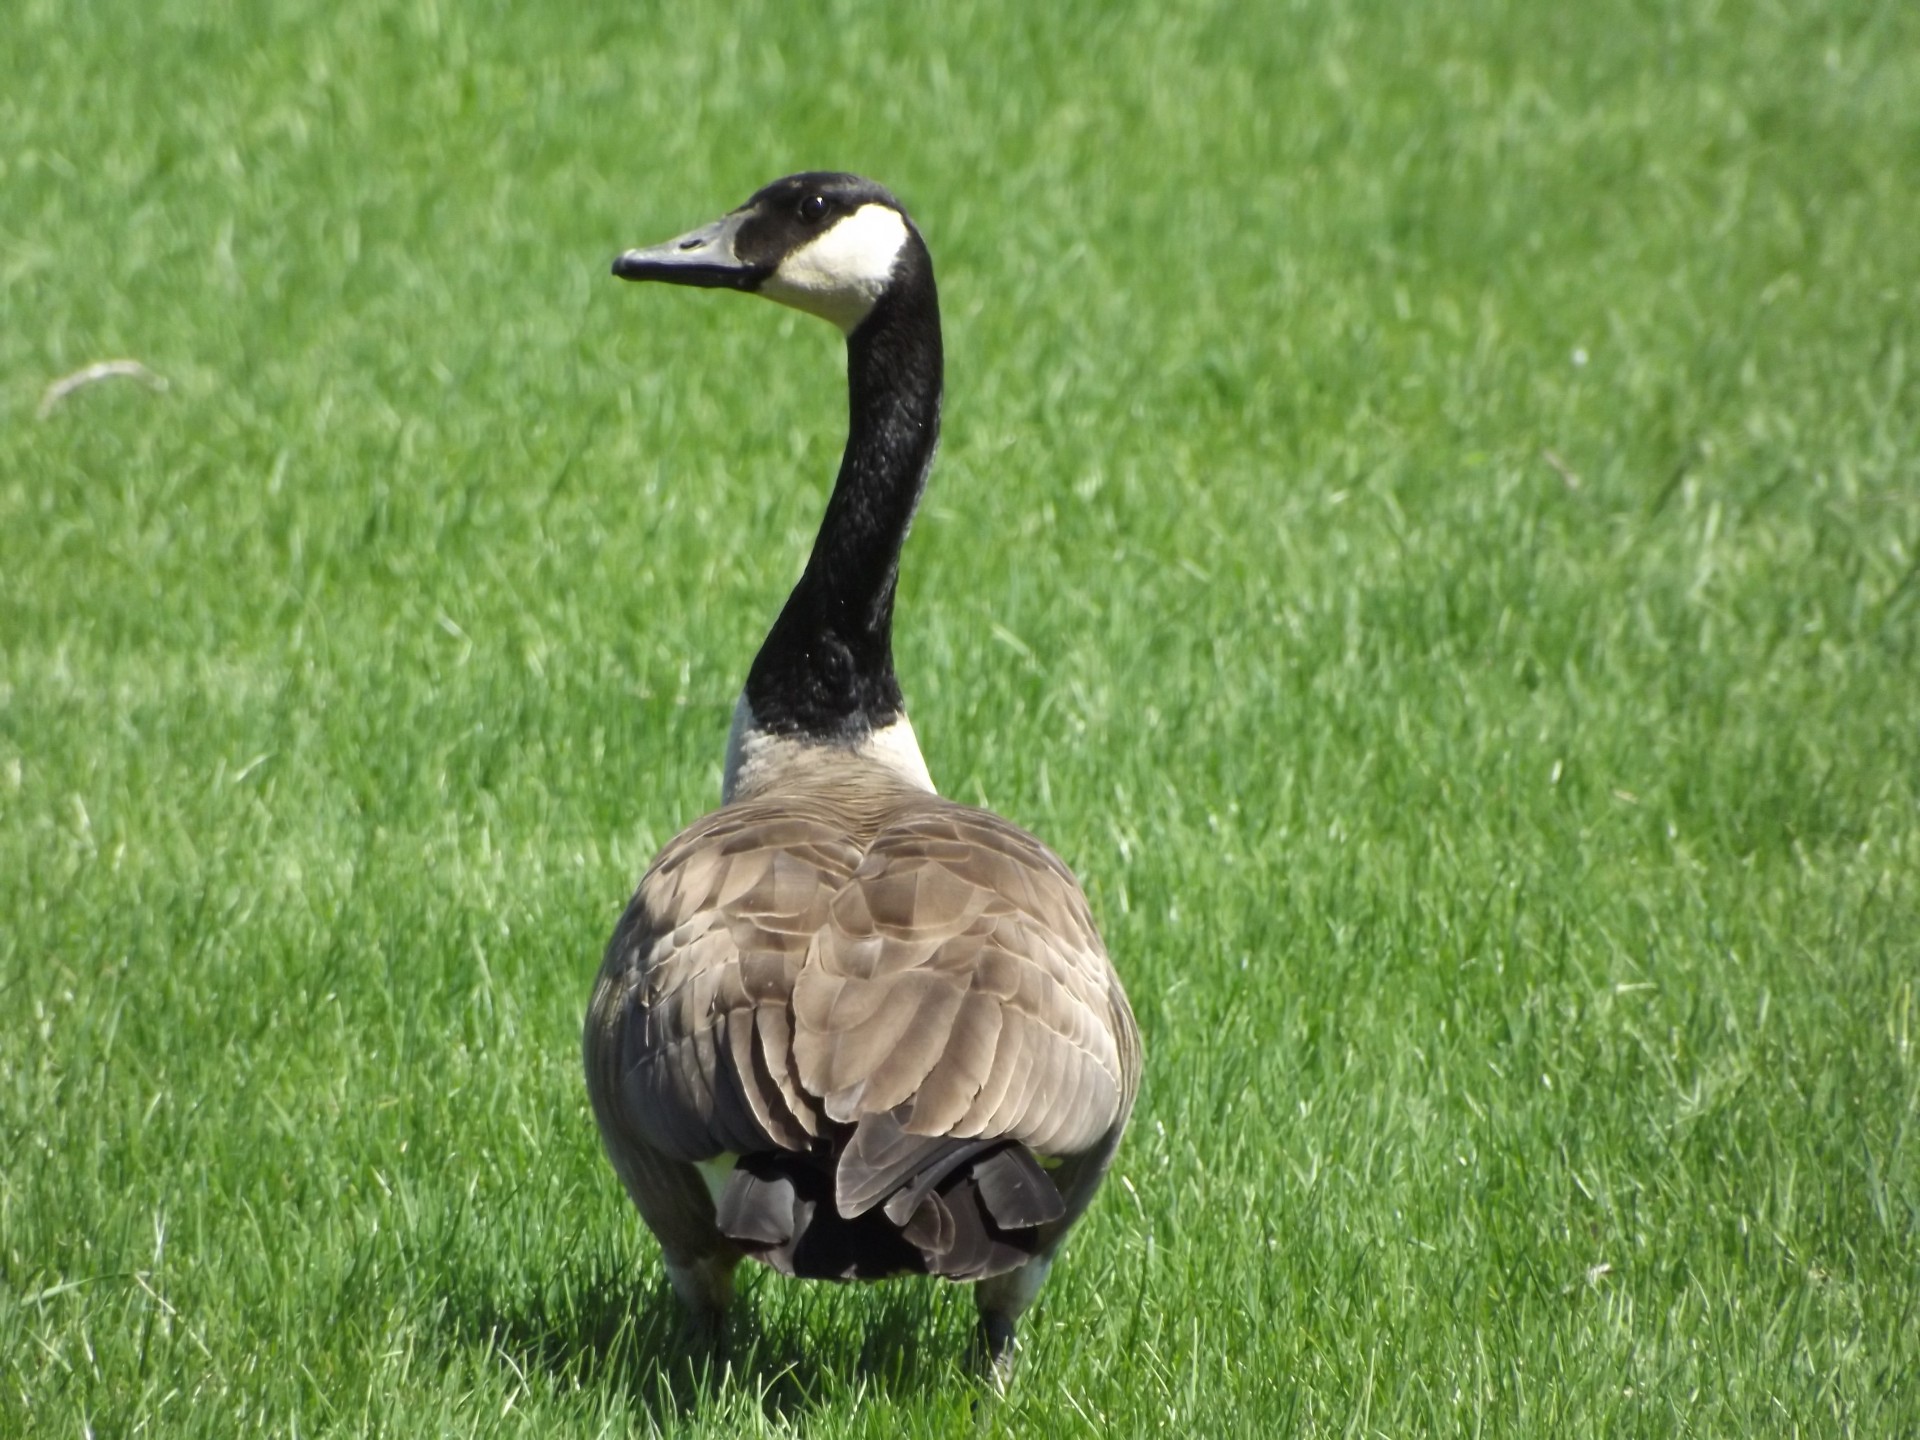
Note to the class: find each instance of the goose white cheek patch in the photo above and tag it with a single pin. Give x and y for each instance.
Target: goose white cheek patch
(841, 274)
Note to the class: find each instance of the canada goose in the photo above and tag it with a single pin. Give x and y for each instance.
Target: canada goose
(847, 1028)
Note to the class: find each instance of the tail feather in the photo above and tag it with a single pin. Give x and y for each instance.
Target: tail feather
(881, 1153)
(916, 1185)
(758, 1207)
(969, 1249)
(1016, 1191)
(969, 1210)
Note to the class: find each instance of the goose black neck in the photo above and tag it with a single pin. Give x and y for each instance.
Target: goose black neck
(825, 670)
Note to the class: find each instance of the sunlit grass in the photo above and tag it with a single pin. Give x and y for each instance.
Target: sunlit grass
(1428, 525)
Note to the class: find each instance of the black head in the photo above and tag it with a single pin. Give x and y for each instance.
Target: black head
(826, 243)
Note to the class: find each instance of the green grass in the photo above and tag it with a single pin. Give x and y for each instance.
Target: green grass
(1429, 526)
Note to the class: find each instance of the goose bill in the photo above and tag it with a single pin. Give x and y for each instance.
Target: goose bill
(703, 257)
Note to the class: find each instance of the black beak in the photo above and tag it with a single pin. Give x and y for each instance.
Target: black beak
(703, 257)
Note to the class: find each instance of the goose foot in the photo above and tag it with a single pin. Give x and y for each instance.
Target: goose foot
(993, 1350)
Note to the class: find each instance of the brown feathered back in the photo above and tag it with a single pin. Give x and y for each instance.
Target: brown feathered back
(892, 1009)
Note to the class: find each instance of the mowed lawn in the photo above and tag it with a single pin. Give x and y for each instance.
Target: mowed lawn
(1428, 526)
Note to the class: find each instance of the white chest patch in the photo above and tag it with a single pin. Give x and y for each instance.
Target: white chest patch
(839, 275)
(757, 758)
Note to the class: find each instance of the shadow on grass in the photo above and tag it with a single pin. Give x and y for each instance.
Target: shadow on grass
(596, 1331)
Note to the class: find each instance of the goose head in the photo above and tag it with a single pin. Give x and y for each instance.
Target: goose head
(829, 244)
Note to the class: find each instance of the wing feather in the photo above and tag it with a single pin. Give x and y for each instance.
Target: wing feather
(947, 1093)
(960, 970)
(917, 977)
(696, 991)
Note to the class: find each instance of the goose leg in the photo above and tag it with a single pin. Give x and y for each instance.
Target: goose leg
(705, 1286)
(1001, 1301)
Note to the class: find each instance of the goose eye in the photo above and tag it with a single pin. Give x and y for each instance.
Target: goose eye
(813, 207)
